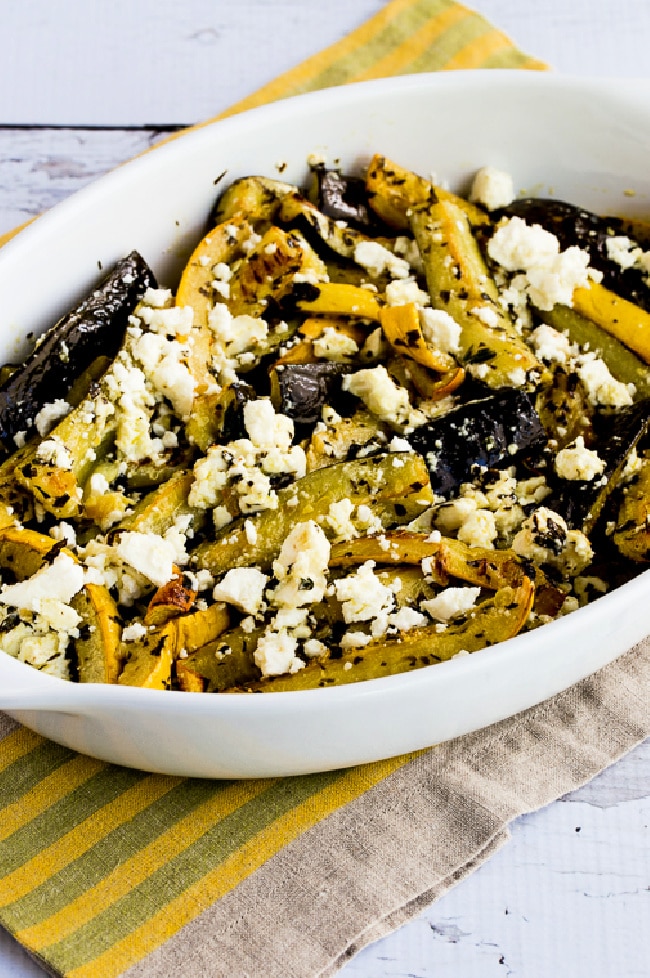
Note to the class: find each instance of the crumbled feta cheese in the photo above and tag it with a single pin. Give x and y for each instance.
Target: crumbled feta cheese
(602, 387)
(149, 554)
(242, 587)
(172, 321)
(376, 259)
(551, 275)
(479, 529)
(623, 251)
(265, 428)
(65, 532)
(339, 520)
(157, 298)
(98, 484)
(542, 536)
(354, 640)
(334, 345)
(236, 333)
(380, 394)
(405, 619)
(275, 654)
(362, 595)
(49, 415)
(313, 648)
(451, 603)
(440, 330)
(405, 291)
(551, 345)
(493, 188)
(301, 567)
(134, 632)
(60, 580)
(53, 452)
(577, 463)
(487, 315)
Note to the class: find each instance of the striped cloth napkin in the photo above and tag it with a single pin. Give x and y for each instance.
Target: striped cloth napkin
(106, 871)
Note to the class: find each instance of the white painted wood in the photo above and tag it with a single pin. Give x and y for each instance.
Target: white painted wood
(555, 901)
(68, 62)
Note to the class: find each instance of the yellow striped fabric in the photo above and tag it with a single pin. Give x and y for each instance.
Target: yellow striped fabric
(100, 865)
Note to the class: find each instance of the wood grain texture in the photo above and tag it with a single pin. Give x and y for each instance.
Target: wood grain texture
(160, 61)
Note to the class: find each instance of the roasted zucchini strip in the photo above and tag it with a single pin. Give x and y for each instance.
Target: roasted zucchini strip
(623, 364)
(401, 326)
(221, 245)
(220, 664)
(632, 533)
(482, 567)
(159, 509)
(83, 436)
(257, 199)
(393, 192)
(98, 651)
(339, 299)
(397, 493)
(496, 619)
(22, 551)
(150, 660)
(268, 272)
(620, 317)
(171, 600)
(460, 284)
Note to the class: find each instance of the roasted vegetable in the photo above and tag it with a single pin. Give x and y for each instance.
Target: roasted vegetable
(624, 365)
(219, 416)
(342, 198)
(68, 348)
(338, 300)
(494, 620)
(460, 284)
(616, 435)
(301, 390)
(221, 664)
(577, 226)
(269, 270)
(357, 453)
(482, 434)
(393, 192)
(150, 660)
(623, 319)
(401, 326)
(397, 494)
(632, 532)
(97, 650)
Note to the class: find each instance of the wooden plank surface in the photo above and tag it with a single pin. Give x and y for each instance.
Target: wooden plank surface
(568, 895)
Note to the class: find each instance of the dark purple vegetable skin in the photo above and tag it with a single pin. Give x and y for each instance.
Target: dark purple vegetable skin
(95, 327)
(576, 226)
(300, 390)
(483, 434)
(614, 437)
(343, 198)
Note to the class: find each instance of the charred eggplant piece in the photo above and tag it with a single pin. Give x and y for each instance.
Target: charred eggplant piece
(301, 390)
(576, 226)
(96, 326)
(482, 434)
(615, 436)
(343, 198)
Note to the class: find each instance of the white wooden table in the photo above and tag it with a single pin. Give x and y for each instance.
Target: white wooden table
(84, 86)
